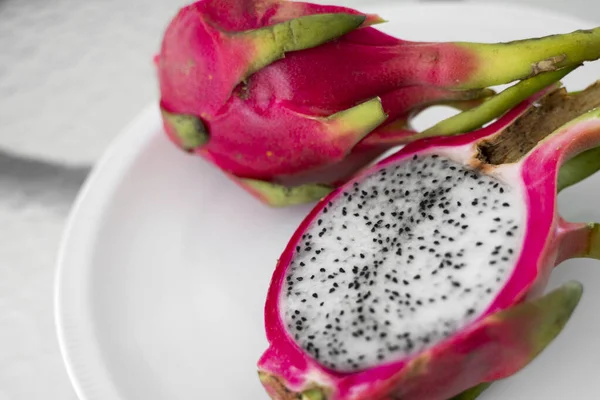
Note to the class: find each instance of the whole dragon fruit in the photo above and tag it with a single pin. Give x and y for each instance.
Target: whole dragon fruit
(423, 276)
(290, 99)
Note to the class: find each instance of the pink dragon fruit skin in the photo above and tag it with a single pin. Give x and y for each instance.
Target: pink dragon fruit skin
(520, 322)
(210, 47)
(274, 124)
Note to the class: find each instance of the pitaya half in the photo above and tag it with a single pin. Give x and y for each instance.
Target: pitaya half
(423, 276)
(281, 95)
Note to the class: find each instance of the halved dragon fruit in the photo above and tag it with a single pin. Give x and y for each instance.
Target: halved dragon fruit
(423, 276)
(280, 95)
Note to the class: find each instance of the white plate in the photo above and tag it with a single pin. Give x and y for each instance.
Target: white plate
(165, 263)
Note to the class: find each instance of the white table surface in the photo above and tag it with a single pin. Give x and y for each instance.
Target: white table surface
(72, 74)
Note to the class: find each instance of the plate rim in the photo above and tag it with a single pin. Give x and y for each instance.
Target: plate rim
(139, 131)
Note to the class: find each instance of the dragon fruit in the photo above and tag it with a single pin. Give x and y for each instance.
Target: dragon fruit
(290, 99)
(424, 275)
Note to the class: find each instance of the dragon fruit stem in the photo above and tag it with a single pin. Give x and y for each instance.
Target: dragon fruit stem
(468, 120)
(282, 196)
(579, 168)
(473, 393)
(536, 323)
(500, 63)
(476, 117)
(578, 240)
(412, 99)
(313, 394)
(464, 105)
(563, 301)
(358, 121)
(190, 131)
(272, 42)
(404, 104)
(277, 390)
(594, 243)
(284, 10)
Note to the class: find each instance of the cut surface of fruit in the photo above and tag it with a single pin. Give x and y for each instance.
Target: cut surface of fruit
(422, 277)
(393, 266)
